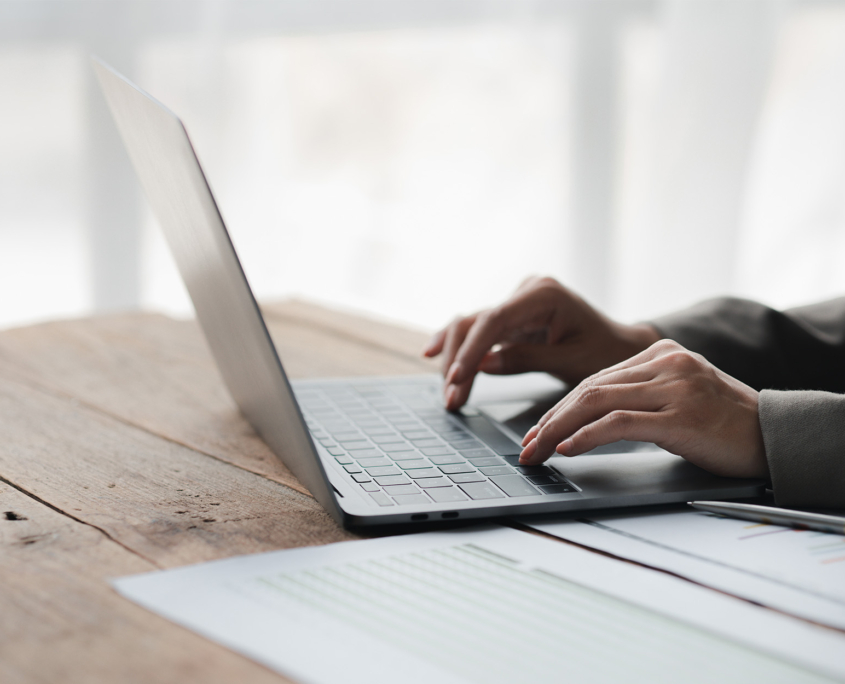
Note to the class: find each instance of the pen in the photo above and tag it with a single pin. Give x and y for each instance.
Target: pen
(774, 516)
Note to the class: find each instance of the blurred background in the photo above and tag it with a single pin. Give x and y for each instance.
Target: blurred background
(414, 159)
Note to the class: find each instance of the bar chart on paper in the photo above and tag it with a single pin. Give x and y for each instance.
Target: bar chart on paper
(798, 571)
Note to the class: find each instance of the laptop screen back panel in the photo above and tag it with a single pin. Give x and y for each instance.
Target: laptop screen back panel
(170, 173)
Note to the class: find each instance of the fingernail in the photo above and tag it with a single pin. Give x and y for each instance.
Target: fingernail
(454, 371)
(531, 434)
(528, 451)
(564, 447)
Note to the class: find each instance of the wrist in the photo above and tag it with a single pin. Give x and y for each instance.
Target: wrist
(635, 338)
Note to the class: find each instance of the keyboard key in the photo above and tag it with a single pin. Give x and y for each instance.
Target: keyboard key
(447, 459)
(370, 487)
(358, 454)
(481, 490)
(412, 499)
(543, 479)
(435, 410)
(414, 463)
(463, 442)
(396, 490)
(386, 437)
(327, 442)
(360, 414)
(417, 434)
(486, 461)
(467, 477)
(383, 471)
(423, 473)
(493, 438)
(475, 453)
(535, 470)
(373, 462)
(353, 469)
(497, 470)
(431, 482)
(361, 478)
(423, 443)
(437, 451)
(395, 447)
(392, 480)
(450, 430)
(356, 444)
(446, 494)
(511, 460)
(440, 423)
(557, 489)
(402, 423)
(344, 460)
(369, 423)
(336, 451)
(347, 435)
(381, 498)
(514, 485)
(459, 468)
(404, 456)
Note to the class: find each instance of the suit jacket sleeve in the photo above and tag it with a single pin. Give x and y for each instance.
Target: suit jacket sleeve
(796, 358)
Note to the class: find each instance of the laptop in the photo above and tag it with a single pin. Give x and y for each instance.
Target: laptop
(372, 451)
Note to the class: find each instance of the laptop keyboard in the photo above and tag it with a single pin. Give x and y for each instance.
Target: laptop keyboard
(402, 448)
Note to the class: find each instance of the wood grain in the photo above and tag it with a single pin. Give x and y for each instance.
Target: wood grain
(60, 621)
(156, 373)
(395, 340)
(122, 452)
(169, 504)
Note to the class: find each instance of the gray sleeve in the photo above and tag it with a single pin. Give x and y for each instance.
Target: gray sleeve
(804, 435)
(797, 349)
(793, 350)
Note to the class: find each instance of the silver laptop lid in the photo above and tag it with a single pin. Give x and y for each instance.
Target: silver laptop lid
(170, 173)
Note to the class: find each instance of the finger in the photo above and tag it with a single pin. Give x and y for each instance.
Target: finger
(457, 395)
(640, 426)
(435, 344)
(455, 335)
(489, 329)
(623, 376)
(636, 426)
(591, 404)
(492, 327)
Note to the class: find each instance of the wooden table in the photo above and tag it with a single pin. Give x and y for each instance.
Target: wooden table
(122, 453)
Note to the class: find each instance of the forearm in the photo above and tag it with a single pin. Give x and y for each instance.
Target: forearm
(798, 349)
(804, 437)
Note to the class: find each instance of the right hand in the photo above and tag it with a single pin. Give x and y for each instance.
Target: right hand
(542, 327)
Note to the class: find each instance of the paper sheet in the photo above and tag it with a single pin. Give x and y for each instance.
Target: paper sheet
(490, 605)
(798, 571)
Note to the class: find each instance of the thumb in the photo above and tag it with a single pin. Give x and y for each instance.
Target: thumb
(523, 358)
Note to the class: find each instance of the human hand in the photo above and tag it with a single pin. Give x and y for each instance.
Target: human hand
(666, 395)
(542, 327)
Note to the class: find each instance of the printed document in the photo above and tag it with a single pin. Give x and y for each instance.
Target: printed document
(801, 572)
(490, 605)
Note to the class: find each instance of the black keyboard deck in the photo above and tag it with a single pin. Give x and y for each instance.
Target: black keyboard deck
(402, 448)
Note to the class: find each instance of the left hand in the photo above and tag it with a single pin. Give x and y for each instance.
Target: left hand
(666, 395)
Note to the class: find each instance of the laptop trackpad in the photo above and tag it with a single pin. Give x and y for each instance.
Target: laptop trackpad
(644, 472)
